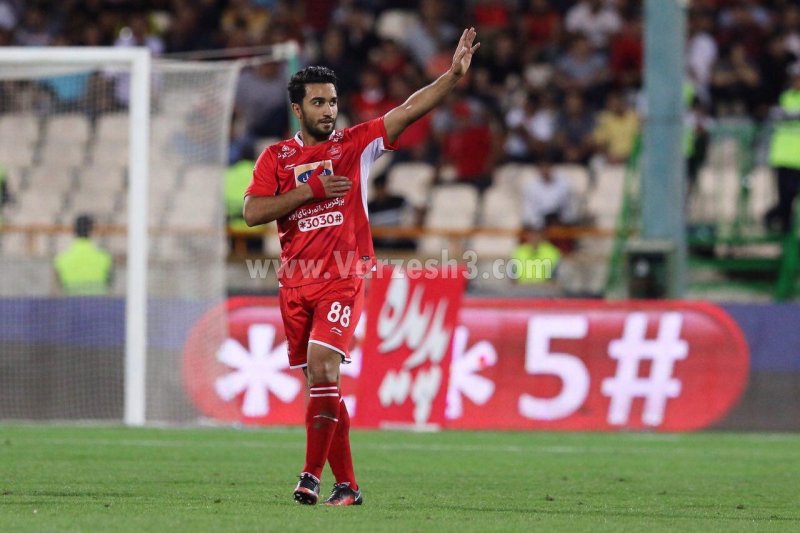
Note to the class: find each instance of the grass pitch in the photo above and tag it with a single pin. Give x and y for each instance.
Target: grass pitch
(120, 479)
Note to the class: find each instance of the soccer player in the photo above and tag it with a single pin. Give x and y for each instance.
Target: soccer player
(314, 185)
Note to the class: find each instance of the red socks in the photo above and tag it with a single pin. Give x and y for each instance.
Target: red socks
(339, 455)
(321, 421)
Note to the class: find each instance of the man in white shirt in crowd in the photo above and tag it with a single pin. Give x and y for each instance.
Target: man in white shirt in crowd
(549, 199)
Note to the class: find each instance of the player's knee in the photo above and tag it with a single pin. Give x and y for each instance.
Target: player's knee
(323, 365)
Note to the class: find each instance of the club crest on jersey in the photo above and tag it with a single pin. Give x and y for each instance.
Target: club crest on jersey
(286, 152)
(303, 172)
(335, 151)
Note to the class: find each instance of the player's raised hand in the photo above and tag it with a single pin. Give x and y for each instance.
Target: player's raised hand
(335, 186)
(463, 55)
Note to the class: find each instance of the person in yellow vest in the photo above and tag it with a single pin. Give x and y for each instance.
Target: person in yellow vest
(784, 153)
(237, 178)
(536, 257)
(83, 269)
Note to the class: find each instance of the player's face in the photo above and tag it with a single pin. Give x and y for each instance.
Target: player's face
(318, 110)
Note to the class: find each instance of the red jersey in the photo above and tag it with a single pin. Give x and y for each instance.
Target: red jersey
(325, 239)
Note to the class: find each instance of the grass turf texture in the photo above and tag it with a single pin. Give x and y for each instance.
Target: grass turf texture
(120, 479)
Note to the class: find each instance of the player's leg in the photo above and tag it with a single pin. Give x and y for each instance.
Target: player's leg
(297, 322)
(322, 414)
(351, 297)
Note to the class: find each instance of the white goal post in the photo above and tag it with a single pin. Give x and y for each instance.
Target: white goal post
(138, 61)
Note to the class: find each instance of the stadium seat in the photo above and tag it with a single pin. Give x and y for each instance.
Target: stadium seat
(49, 179)
(500, 208)
(763, 195)
(412, 181)
(16, 154)
(576, 175)
(22, 127)
(113, 128)
(96, 203)
(68, 129)
(451, 207)
(393, 24)
(65, 154)
(101, 178)
(605, 199)
(108, 153)
(514, 176)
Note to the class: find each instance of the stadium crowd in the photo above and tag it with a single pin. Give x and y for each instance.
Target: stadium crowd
(554, 82)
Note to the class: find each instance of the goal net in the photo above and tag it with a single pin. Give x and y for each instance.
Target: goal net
(106, 342)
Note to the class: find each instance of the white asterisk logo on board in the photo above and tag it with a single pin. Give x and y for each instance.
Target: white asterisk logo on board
(257, 372)
(464, 377)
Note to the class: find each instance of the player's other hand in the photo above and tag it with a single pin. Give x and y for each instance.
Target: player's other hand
(464, 51)
(335, 186)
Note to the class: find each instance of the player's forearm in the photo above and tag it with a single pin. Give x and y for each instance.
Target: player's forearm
(265, 209)
(419, 103)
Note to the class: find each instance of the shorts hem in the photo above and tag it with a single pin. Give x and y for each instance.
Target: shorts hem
(345, 357)
(301, 365)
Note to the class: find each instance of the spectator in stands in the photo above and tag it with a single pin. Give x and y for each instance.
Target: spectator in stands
(34, 30)
(734, 82)
(530, 131)
(469, 145)
(371, 100)
(83, 269)
(548, 200)
(538, 258)
(185, 33)
(360, 32)
(574, 127)
(701, 54)
(597, 20)
(784, 154)
(237, 178)
(246, 15)
(773, 69)
(415, 143)
(387, 210)
(540, 28)
(745, 23)
(333, 54)
(261, 99)
(616, 129)
(503, 63)
(425, 33)
(626, 55)
(582, 69)
(790, 27)
(696, 139)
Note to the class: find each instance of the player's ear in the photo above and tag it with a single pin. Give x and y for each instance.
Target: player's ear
(297, 110)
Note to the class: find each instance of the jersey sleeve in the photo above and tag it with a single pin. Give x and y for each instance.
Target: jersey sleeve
(366, 133)
(265, 176)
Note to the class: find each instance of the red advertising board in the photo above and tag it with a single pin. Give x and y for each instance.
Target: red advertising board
(240, 372)
(592, 365)
(406, 363)
(512, 364)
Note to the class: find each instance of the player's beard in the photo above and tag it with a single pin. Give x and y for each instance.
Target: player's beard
(315, 129)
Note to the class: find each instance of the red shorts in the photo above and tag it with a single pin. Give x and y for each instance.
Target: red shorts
(324, 313)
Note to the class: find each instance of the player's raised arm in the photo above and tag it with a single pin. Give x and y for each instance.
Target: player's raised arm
(264, 209)
(425, 99)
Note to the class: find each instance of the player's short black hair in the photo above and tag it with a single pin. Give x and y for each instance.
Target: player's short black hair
(297, 85)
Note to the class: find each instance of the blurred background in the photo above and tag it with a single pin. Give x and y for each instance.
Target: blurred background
(543, 136)
(538, 154)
